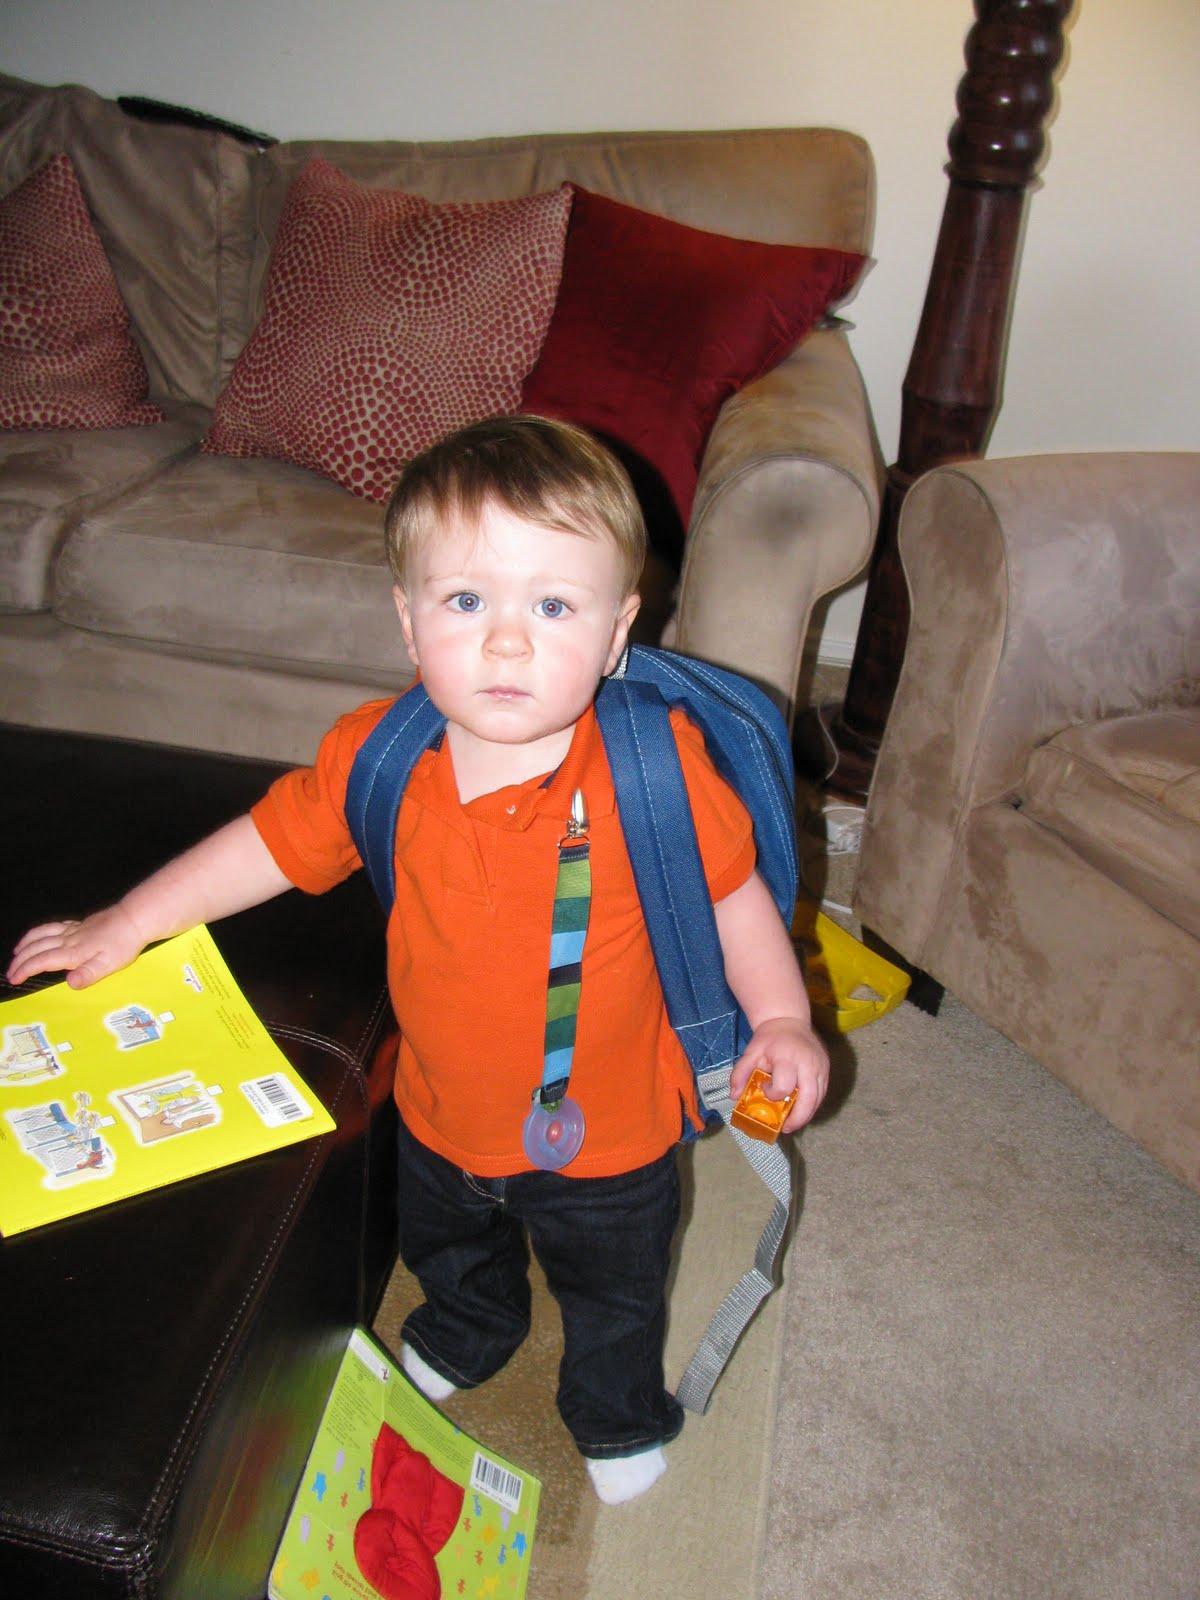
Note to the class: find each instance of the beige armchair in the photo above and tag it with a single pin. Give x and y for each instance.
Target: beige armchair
(1032, 838)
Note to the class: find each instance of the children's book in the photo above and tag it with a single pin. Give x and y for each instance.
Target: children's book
(156, 1073)
(397, 1502)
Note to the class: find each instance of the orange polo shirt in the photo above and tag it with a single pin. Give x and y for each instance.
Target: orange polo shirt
(469, 943)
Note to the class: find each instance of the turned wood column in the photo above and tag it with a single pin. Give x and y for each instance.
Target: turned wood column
(952, 387)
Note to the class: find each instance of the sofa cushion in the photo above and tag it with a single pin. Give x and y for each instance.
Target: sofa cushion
(173, 208)
(251, 560)
(1125, 794)
(67, 357)
(387, 322)
(657, 324)
(48, 480)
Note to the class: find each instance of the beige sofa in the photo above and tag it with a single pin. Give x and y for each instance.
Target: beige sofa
(1032, 838)
(151, 591)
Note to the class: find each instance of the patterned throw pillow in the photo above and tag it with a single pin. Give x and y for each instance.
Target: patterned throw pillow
(388, 321)
(67, 358)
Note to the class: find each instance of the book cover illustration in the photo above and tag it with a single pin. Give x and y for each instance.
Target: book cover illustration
(154, 1074)
(170, 1106)
(397, 1502)
(27, 1056)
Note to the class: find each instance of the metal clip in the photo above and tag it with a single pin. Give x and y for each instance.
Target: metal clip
(577, 823)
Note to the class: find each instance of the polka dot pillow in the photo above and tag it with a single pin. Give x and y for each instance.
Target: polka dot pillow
(388, 321)
(67, 358)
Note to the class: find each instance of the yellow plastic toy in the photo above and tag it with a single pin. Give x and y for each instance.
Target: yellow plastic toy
(848, 985)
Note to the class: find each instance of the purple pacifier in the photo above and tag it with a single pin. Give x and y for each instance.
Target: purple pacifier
(552, 1135)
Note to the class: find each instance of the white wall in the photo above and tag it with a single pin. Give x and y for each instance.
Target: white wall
(1106, 330)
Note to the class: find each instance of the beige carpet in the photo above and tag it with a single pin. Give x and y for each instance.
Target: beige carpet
(992, 1340)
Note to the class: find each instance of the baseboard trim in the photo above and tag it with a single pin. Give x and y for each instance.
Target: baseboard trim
(835, 652)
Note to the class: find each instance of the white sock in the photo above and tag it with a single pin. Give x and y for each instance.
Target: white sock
(621, 1478)
(431, 1384)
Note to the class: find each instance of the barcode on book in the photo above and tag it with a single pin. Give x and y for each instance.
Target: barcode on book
(276, 1100)
(497, 1482)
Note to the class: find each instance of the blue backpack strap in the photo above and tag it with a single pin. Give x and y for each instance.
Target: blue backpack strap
(378, 779)
(748, 743)
(656, 820)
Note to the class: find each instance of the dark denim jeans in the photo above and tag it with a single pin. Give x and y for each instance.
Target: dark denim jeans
(605, 1247)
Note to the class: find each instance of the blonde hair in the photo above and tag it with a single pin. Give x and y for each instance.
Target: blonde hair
(546, 472)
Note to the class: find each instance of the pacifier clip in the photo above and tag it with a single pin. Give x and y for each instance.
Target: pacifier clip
(552, 1133)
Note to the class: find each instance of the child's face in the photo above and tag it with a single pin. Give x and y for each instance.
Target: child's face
(513, 625)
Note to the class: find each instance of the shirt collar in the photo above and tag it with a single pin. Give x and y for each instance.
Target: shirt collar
(517, 805)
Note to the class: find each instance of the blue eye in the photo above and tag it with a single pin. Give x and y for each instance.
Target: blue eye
(552, 608)
(468, 602)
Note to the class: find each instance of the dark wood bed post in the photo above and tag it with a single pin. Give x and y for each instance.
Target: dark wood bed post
(952, 388)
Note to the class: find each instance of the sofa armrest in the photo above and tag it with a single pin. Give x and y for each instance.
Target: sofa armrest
(785, 511)
(1046, 591)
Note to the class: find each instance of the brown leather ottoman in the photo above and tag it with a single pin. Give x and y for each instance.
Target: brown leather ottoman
(165, 1360)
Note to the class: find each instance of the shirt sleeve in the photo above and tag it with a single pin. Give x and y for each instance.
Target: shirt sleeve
(724, 828)
(302, 817)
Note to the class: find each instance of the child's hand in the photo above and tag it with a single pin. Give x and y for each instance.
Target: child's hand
(791, 1052)
(85, 951)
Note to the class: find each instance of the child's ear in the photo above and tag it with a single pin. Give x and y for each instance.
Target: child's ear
(629, 609)
(406, 627)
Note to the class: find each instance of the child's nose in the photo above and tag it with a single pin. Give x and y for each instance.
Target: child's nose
(508, 638)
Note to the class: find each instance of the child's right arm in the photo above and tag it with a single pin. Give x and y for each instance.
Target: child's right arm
(229, 871)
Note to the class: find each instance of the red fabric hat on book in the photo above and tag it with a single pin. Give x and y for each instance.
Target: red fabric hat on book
(414, 1508)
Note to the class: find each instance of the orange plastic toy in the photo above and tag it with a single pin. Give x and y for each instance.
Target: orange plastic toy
(757, 1115)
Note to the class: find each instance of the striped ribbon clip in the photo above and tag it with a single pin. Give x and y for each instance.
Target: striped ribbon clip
(568, 931)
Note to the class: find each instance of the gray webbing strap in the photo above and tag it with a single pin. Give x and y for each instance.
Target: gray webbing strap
(743, 1300)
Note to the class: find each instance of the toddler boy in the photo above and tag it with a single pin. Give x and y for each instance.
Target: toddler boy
(516, 546)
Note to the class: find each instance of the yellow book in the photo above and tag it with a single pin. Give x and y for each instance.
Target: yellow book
(154, 1074)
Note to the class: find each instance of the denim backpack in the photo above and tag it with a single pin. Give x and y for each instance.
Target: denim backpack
(748, 743)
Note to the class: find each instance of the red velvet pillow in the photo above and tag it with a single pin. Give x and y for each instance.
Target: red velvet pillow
(387, 321)
(67, 358)
(657, 324)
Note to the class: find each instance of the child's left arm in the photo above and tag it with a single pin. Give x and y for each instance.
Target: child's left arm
(762, 970)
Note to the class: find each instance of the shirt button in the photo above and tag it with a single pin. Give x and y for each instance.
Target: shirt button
(512, 810)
